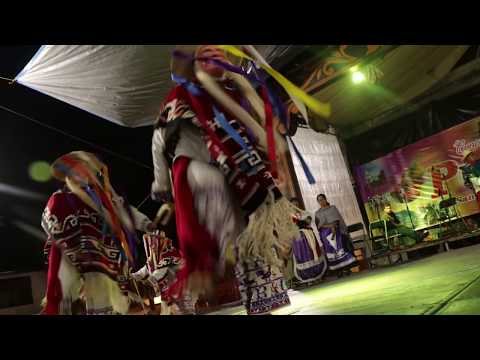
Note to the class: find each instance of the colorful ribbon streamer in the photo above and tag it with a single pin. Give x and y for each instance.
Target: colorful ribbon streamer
(222, 120)
(101, 197)
(195, 90)
(271, 101)
(316, 106)
(272, 154)
(229, 129)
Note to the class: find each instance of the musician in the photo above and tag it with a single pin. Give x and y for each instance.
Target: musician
(393, 223)
(471, 172)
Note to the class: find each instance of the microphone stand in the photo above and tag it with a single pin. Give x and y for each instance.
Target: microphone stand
(372, 201)
(408, 210)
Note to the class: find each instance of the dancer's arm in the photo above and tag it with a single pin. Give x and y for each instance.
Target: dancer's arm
(142, 221)
(161, 185)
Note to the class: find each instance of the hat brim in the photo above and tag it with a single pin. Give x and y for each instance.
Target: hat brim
(59, 164)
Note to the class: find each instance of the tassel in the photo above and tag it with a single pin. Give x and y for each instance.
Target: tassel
(294, 91)
(223, 99)
(272, 155)
(269, 228)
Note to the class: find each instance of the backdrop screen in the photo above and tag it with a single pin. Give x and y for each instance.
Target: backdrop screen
(420, 175)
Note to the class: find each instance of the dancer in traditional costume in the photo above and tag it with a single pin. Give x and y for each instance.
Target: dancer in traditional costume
(228, 207)
(163, 263)
(91, 239)
(309, 263)
(336, 242)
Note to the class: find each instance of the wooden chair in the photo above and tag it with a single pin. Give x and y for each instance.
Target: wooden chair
(361, 241)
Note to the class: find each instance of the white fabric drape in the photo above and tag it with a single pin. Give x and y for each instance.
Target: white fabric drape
(323, 155)
(120, 83)
(124, 84)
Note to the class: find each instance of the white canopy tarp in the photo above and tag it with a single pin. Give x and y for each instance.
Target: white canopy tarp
(124, 84)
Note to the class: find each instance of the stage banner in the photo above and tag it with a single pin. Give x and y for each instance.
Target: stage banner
(415, 179)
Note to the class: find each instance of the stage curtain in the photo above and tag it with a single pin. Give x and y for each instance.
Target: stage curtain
(324, 156)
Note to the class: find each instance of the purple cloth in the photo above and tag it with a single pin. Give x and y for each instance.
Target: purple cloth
(306, 268)
(335, 249)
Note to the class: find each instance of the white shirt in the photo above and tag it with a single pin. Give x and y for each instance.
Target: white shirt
(190, 144)
(141, 221)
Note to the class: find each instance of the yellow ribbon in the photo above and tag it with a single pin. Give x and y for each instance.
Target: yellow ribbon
(322, 109)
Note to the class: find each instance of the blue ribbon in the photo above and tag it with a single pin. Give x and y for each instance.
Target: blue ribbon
(98, 202)
(192, 88)
(131, 235)
(229, 129)
(68, 171)
(308, 174)
(282, 114)
(277, 105)
(219, 116)
(256, 76)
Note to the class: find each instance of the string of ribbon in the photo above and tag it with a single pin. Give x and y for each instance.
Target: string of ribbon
(316, 106)
(271, 101)
(221, 118)
(101, 197)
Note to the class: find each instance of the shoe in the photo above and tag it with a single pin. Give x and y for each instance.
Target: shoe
(347, 272)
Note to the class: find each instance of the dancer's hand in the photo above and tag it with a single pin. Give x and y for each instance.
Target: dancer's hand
(164, 214)
(162, 196)
(151, 227)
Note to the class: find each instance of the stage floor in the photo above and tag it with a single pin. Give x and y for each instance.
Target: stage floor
(444, 284)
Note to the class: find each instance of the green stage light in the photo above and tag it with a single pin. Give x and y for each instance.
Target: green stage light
(358, 77)
(39, 171)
